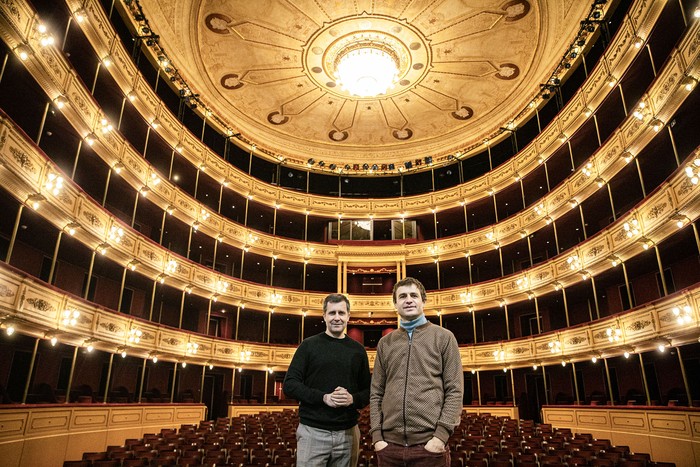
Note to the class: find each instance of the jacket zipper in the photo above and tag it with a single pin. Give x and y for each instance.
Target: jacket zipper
(405, 390)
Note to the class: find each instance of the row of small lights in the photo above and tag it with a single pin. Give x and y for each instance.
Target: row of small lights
(70, 318)
(55, 185)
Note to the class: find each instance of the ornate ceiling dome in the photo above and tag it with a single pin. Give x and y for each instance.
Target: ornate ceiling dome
(438, 78)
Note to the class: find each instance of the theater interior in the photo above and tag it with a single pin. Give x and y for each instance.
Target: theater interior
(183, 182)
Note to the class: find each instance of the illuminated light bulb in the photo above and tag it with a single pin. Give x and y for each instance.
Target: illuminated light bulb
(535, 367)
(626, 354)
(10, 329)
(594, 359)
(154, 359)
(23, 52)
(90, 348)
(183, 364)
(211, 366)
(54, 341)
(80, 15)
(60, 102)
(107, 61)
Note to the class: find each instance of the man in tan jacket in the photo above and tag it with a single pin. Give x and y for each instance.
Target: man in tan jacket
(417, 386)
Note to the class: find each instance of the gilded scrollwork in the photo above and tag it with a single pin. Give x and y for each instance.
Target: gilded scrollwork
(577, 340)
(639, 325)
(171, 341)
(657, 210)
(23, 159)
(111, 327)
(5, 291)
(40, 304)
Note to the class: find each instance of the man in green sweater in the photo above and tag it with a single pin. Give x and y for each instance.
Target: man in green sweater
(417, 386)
(329, 376)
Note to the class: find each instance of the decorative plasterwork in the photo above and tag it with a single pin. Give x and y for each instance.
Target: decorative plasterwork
(266, 68)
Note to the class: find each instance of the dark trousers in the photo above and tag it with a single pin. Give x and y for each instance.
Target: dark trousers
(395, 455)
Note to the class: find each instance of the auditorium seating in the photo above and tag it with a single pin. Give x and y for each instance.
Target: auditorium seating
(269, 440)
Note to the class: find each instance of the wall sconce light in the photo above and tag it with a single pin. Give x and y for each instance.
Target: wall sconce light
(9, 325)
(684, 315)
(613, 334)
(681, 220)
(53, 339)
(80, 15)
(89, 344)
(689, 83)
(646, 243)
(70, 317)
(631, 228)
(554, 346)
(586, 170)
(102, 248)
(23, 51)
(107, 61)
(35, 200)
(60, 102)
(656, 124)
(192, 348)
(71, 228)
(134, 336)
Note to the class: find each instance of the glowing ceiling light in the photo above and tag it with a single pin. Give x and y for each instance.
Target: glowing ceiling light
(367, 69)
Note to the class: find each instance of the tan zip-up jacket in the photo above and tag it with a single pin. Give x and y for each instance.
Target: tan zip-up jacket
(417, 386)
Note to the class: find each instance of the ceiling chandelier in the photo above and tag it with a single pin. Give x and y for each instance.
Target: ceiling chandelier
(366, 68)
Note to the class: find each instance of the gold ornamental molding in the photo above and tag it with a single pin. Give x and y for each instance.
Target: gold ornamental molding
(104, 40)
(629, 138)
(38, 310)
(25, 172)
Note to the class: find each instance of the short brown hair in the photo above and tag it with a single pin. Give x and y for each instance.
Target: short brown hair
(409, 281)
(335, 298)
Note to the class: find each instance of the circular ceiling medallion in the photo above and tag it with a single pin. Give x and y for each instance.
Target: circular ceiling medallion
(399, 44)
